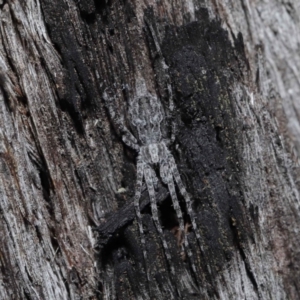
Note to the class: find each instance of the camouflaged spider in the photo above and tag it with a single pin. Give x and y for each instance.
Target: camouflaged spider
(146, 115)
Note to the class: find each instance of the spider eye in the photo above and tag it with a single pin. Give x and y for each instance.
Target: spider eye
(157, 118)
(137, 122)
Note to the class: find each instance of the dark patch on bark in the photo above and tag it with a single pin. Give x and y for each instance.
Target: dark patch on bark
(79, 89)
(3, 3)
(6, 96)
(87, 8)
(45, 179)
(125, 215)
(204, 65)
(124, 256)
(207, 134)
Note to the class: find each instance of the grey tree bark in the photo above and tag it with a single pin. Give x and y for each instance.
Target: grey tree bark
(68, 227)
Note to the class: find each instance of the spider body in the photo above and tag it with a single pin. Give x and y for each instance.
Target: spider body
(147, 116)
(147, 120)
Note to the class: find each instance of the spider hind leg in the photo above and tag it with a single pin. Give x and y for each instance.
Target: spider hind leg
(154, 209)
(168, 178)
(186, 198)
(137, 196)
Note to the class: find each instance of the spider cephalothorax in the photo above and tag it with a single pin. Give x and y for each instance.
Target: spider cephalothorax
(146, 115)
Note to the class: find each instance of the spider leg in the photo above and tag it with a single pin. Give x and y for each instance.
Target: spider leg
(137, 196)
(130, 140)
(186, 197)
(171, 105)
(127, 136)
(149, 183)
(165, 67)
(167, 177)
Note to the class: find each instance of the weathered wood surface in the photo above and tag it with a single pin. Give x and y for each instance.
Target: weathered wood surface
(64, 171)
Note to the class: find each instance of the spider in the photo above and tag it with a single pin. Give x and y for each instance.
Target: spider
(146, 115)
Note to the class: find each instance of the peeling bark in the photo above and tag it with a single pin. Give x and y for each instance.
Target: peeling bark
(68, 228)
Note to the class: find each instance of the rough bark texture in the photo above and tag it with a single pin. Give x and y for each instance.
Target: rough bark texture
(68, 227)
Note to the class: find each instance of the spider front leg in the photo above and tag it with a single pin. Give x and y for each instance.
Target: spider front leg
(167, 80)
(149, 183)
(127, 136)
(130, 140)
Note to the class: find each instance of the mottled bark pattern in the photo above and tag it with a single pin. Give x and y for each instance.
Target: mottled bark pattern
(67, 181)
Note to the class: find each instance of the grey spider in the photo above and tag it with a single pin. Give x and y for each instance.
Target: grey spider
(146, 115)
